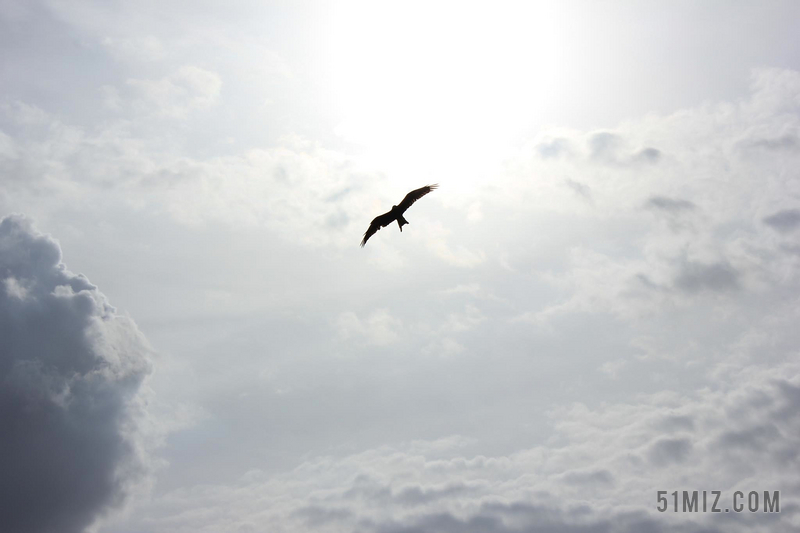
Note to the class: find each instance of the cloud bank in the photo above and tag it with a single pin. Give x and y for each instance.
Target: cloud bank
(71, 369)
(673, 281)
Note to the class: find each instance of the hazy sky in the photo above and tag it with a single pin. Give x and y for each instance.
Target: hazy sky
(600, 301)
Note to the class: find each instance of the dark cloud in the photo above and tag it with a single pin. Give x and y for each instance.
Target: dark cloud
(784, 221)
(784, 142)
(669, 205)
(754, 438)
(669, 451)
(645, 281)
(648, 155)
(788, 401)
(591, 477)
(70, 371)
(315, 515)
(611, 148)
(717, 277)
(677, 423)
(791, 249)
(604, 145)
(421, 495)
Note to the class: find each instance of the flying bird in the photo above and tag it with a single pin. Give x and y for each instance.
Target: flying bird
(396, 213)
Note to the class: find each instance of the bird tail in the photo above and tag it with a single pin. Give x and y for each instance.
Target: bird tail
(401, 221)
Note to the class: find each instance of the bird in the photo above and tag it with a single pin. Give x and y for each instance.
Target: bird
(381, 221)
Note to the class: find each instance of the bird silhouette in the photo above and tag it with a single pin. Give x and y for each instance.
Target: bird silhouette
(381, 221)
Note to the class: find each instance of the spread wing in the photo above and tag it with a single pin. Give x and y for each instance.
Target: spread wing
(379, 222)
(413, 196)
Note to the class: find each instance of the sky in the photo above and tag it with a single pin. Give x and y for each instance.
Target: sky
(598, 303)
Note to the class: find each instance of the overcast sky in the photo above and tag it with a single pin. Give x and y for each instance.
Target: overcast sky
(600, 301)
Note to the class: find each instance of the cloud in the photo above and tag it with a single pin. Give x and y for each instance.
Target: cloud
(140, 48)
(380, 328)
(674, 212)
(304, 193)
(669, 451)
(673, 423)
(554, 148)
(613, 368)
(600, 254)
(599, 472)
(526, 518)
(70, 375)
(755, 438)
(648, 155)
(436, 236)
(174, 96)
(784, 142)
(670, 205)
(443, 347)
(579, 188)
(459, 256)
(604, 145)
(613, 149)
(784, 221)
(589, 477)
(7, 149)
(716, 277)
(316, 516)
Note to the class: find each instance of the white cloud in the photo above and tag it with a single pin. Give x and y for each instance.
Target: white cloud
(140, 48)
(174, 96)
(613, 368)
(303, 192)
(601, 472)
(444, 347)
(7, 149)
(379, 328)
(459, 255)
(14, 289)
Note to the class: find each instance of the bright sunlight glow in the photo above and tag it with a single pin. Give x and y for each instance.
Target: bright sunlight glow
(422, 85)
